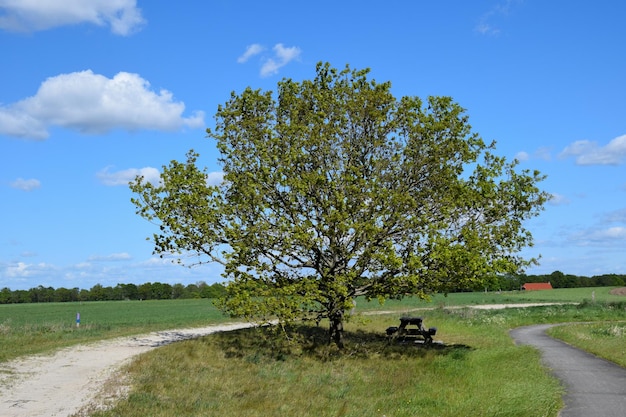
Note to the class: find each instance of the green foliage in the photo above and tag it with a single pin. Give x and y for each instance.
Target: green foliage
(335, 189)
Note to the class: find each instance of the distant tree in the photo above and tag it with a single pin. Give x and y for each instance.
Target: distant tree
(21, 296)
(63, 295)
(41, 294)
(335, 189)
(608, 280)
(145, 291)
(97, 293)
(215, 290)
(193, 291)
(5, 295)
(84, 295)
(129, 292)
(178, 291)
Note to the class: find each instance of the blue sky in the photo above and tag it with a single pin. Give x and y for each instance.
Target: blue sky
(94, 92)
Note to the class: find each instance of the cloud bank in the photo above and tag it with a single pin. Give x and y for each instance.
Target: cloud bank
(590, 153)
(92, 103)
(122, 16)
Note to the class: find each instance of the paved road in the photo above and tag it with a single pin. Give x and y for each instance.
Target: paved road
(594, 386)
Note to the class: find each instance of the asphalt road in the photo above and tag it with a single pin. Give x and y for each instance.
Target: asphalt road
(594, 386)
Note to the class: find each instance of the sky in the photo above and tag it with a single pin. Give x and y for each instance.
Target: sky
(95, 92)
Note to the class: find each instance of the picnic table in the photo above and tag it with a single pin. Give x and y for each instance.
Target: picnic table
(406, 332)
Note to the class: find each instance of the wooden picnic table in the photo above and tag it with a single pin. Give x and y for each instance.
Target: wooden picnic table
(418, 329)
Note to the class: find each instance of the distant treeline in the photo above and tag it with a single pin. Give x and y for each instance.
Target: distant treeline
(558, 280)
(160, 291)
(147, 291)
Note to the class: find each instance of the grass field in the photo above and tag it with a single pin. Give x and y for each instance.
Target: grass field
(35, 328)
(573, 295)
(479, 371)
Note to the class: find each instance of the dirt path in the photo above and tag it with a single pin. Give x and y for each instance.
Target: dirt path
(71, 379)
(63, 383)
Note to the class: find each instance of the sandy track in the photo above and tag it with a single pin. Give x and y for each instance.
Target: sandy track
(63, 383)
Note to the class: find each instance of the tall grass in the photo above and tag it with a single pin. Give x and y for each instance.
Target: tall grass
(479, 371)
(606, 339)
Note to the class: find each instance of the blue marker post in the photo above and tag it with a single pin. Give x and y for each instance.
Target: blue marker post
(77, 319)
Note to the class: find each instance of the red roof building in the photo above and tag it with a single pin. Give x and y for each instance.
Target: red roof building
(536, 286)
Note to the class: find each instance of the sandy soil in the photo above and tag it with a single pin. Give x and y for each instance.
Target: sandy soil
(81, 378)
(619, 291)
(76, 378)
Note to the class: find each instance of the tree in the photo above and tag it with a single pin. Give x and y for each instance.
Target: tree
(334, 189)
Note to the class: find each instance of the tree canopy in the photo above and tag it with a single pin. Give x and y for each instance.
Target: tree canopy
(335, 189)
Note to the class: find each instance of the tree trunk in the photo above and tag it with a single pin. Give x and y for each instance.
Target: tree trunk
(336, 329)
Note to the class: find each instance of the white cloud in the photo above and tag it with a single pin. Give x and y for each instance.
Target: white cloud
(151, 175)
(541, 153)
(23, 270)
(26, 185)
(522, 156)
(502, 8)
(113, 257)
(590, 153)
(15, 122)
(123, 16)
(282, 57)
(606, 237)
(271, 64)
(251, 51)
(19, 269)
(612, 233)
(93, 103)
(616, 216)
(215, 178)
(558, 199)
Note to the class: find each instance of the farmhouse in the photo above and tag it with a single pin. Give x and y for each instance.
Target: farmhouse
(535, 286)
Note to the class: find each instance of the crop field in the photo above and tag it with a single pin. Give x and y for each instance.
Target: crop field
(35, 328)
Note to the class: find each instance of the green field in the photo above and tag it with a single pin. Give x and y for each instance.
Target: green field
(35, 328)
(565, 295)
(477, 371)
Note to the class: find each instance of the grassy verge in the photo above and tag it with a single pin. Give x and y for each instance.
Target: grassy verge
(606, 339)
(35, 328)
(479, 371)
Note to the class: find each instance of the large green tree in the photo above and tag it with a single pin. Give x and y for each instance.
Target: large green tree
(334, 189)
